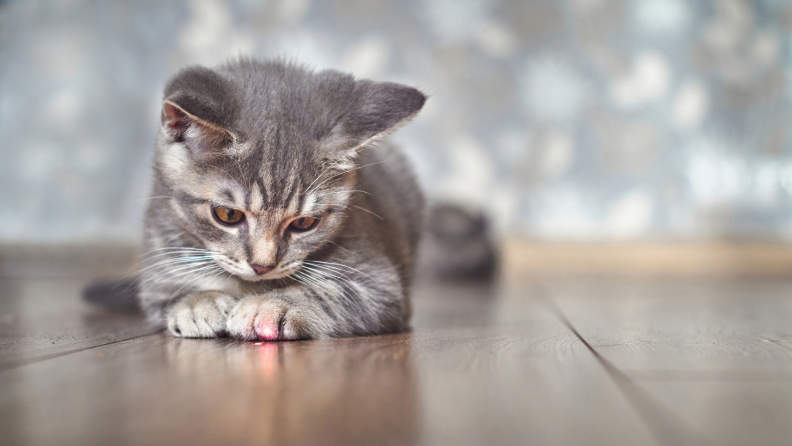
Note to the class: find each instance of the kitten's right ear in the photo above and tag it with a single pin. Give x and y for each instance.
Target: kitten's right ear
(201, 137)
(174, 120)
(199, 109)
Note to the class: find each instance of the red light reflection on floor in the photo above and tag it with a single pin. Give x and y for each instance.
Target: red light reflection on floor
(268, 358)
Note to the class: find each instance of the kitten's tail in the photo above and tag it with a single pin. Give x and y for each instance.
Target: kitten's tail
(120, 295)
(458, 244)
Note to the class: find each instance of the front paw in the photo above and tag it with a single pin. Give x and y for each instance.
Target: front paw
(200, 315)
(262, 318)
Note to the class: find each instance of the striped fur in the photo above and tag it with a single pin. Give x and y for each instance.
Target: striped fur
(278, 142)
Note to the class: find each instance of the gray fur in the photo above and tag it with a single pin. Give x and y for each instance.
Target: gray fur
(279, 142)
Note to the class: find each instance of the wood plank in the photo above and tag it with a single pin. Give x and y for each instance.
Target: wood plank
(732, 412)
(43, 318)
(448, 387)
(526, 259)
(701, 326)
(481, 367)
(716, 354)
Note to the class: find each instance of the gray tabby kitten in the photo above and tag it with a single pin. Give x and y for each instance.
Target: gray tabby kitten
(273, 216)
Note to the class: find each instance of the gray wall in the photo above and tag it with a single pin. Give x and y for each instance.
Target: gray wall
(565, 120)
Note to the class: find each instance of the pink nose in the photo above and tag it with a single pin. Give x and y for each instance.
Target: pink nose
(261, 269)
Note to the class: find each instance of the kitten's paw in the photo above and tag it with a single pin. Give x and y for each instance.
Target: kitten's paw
(260, 318)
(200, 315)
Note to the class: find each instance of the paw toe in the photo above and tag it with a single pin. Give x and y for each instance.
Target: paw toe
(294, 326)
(196, 318)
(257, 319)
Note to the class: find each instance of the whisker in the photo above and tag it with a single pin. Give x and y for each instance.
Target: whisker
(344, 283)
(172, 248)
(177, 235)
(370, 212)
(176, 260)
(339, 174)
(341, 265)
(323, 274)
(169, 273)
(150, 198)
(306, 280)
(175, 255)
(183, 273)
(189, 282)
(185, 253)
(336, 244)
(325, 271)
(342, 279)
(188, 248)
(323, 294)
(214, 268)
(345, 191)
(317, 179)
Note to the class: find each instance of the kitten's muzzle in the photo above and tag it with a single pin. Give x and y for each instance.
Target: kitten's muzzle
(262, 269)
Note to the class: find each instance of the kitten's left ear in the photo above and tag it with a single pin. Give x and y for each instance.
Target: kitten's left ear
(380, 108)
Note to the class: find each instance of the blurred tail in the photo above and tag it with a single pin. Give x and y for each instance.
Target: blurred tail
(458, 244)
(114, 295)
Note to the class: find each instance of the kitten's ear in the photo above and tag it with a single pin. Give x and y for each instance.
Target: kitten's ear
(199, 109)
(381, 108)
(201, 137)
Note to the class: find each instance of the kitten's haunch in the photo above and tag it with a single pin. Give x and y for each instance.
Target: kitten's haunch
(274, 213)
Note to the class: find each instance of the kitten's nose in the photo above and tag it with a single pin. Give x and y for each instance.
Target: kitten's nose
(262, 269)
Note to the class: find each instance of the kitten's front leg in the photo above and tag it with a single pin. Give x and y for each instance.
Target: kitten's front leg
(277, 315)
(327, 308)
(200, 314)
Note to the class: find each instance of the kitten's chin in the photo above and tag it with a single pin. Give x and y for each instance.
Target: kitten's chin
(278, 273)
(252, 277)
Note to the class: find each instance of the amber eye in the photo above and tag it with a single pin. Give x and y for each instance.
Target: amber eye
(227, 216)
(303, 223)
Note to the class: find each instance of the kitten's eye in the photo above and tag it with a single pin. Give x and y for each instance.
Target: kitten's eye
(304, 223)
(227, 216)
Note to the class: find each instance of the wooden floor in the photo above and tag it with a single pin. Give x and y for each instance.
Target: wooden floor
(553, 362)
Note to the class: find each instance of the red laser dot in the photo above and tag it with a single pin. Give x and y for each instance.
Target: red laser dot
(269, 332)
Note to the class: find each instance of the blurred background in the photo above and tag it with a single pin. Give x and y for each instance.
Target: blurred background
(576, 120)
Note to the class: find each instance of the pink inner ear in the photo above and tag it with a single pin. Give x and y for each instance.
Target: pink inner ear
(174, 118)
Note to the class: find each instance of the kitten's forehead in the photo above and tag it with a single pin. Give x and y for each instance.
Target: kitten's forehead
(258, 182)
(271, 186)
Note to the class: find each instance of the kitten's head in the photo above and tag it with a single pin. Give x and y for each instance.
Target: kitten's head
(260, 157)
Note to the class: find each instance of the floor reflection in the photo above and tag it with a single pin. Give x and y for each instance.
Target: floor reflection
(314, 392)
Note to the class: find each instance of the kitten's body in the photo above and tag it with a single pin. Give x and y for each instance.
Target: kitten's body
(278, 142)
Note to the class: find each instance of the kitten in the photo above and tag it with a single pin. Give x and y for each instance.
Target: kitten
(273, 216)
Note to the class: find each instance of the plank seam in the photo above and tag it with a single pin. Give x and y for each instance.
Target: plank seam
(665, 425)
(10, 365)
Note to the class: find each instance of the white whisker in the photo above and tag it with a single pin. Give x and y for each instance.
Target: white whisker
(370, 212)
(345, 191)
(150, 198)
(339, 174)
(175, 260)
(170, 273)
(343, 282)
(341, 265)
(213, 269)
(189, 271)
(175, 248)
